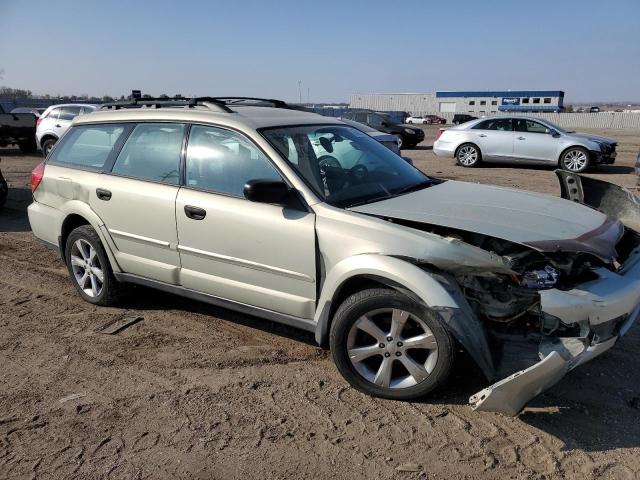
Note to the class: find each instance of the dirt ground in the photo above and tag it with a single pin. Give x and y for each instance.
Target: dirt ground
(193, 391)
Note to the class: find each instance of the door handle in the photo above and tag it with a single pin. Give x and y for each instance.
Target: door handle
(521, 138)
(482, 135)
(103, 194)
(58, 125)
(195, 213)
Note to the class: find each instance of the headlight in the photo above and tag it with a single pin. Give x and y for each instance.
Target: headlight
(409, 131)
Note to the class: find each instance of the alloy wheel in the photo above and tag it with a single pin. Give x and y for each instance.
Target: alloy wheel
(575, 160)
(392, 348)
(86, 267)
(468, 155)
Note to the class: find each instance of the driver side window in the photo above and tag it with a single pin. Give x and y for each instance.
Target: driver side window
(223, 161)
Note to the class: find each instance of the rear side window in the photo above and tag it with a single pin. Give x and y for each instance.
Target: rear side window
(152, 152)
(501, 124)
(87, 145)
(53, 114)
(69, 113)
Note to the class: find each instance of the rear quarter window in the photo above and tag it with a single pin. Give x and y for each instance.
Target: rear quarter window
(86, 146)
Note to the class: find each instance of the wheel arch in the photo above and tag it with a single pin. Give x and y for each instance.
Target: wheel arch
(77, 213)
(455, 153)
(372, 270)
(46, 137)
(566, 149)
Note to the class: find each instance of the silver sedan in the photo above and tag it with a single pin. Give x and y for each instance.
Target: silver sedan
(523, 140)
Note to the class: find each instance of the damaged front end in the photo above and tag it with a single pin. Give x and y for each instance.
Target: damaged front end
(566, 304)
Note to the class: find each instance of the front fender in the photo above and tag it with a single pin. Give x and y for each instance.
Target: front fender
(439, 292)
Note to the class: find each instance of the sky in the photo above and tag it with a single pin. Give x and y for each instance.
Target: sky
(589, 49)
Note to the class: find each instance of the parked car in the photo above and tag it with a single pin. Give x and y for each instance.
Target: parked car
(427, 119)
(594, 110)
(524, 140)
(409, 136)
(392, 142)
(4, 189)
(36, 111)
(56, 120)
(638, 170)
(18, 129)
(460, 118)
(229, 203)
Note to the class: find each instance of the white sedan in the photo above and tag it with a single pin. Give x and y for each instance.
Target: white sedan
(523, 140)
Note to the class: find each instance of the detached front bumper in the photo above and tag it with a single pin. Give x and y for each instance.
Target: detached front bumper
(604, 308)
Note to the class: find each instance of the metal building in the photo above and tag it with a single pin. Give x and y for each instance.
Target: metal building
(473, 102)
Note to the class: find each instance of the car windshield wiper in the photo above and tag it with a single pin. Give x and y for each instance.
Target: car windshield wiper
(414, 187)
(370, 200)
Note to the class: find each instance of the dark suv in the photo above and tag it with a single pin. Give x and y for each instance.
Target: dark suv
(459, 118)
(408, 135)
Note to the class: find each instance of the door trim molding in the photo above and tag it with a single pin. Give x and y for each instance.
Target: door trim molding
(290, 320)
(153, 241)
(247, 263)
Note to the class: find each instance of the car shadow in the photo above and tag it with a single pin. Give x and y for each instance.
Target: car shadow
(13, 217)
(420, 147)
(143, 298)
(594, 408)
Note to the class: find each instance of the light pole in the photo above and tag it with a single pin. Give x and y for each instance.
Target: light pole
(300, 91)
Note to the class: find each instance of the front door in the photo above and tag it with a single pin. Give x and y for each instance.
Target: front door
(136, 201)
(253, 253)
(533, 141)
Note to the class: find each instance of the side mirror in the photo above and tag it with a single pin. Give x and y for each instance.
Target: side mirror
(554, 133)
(267, 191)
(408, 160)
(384, 124)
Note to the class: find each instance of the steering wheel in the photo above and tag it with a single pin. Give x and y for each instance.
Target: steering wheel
(358, 173)
(329, 161)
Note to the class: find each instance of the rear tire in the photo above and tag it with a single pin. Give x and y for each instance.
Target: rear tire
(575, 159)
(47, 145)
(468, 155)
(397, 370)
(89, 268)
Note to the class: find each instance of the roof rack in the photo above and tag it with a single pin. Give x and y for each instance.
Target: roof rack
(210, 102)
(213, 103)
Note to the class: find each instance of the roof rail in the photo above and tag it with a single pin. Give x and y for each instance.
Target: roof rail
(210, 102)
(213, 103)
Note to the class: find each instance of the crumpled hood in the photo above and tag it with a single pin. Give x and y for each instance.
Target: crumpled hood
(540, 221)
(596, 138)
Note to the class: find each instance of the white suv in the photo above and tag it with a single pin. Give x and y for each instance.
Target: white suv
(56, 120)
(304, 220)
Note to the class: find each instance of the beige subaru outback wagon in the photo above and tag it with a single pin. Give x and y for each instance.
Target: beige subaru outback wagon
(301, 219)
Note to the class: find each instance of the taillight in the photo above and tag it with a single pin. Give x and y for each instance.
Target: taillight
(36, 176)
(440, 131)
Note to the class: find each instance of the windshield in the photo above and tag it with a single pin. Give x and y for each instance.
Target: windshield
(343, 165)
(555, 127)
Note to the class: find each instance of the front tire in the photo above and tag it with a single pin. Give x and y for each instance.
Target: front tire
(387, 345)
(89, 267)
(575, 159)
(468, 155)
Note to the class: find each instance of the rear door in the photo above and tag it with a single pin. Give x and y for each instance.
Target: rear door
(494, 137)
(534, 142)
(251, 253)
(136, 201)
